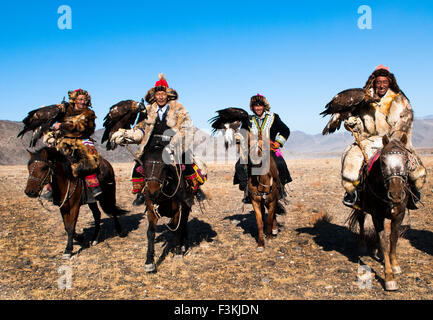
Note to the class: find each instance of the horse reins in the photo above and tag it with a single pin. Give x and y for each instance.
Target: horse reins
(44, 181)
(162, 182)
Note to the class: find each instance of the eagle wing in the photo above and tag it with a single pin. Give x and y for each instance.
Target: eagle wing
(40, 121)
(230, 117)
(229, 120)
(122, 115)
(342, 106)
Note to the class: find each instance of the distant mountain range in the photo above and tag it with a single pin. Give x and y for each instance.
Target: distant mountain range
(209, 148)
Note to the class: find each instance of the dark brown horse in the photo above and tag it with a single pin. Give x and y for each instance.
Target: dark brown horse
(168, 195)
(385, 195)
(49, 165)
(263, 185)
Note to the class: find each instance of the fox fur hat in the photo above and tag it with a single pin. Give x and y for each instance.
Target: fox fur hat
(75, 93)
(382, 71)
(258, 99)
(160, 85)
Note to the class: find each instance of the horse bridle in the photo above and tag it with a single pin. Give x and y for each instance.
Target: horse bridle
(403, 176)
(162, 183)
(44, 180)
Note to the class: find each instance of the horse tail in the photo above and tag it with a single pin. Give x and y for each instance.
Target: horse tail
(108, 185)
(353, 220)
(108, 205)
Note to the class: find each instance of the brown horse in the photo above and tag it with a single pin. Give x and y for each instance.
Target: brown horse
(168, 195)
(48, 165)
(385, 195)
(263, 185)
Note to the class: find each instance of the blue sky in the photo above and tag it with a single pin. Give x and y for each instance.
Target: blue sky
(215, 54)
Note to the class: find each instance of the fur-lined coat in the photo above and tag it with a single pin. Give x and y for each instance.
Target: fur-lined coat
(178, 120)
(392, 116)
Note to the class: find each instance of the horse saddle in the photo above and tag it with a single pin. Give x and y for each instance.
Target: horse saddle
(86, 194)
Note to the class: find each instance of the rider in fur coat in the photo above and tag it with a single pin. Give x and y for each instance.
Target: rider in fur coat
(392, 116)
(164, 114)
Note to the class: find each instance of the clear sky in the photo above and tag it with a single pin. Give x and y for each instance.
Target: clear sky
(215, 54)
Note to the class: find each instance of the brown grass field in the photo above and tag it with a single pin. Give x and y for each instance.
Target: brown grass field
(313, 257)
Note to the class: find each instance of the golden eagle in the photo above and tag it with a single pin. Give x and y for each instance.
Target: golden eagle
(40, 121)
(344, 105)
(122, 115)
(229, 120)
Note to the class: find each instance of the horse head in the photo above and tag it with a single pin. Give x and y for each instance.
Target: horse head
(158, 172)
(394, 163)
(39, 172)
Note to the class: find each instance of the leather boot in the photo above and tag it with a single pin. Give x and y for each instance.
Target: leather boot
(139, 200)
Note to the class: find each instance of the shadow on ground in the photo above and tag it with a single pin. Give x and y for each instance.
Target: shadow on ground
(420, 239)
(332, 237)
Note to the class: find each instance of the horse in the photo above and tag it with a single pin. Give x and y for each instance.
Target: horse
(263, 185)
(385, 195)
(49, 165)
(166, 194)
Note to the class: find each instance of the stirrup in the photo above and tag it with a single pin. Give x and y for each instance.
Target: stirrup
(349, 200)
(96, 191)
(48, 196)
(199, 194)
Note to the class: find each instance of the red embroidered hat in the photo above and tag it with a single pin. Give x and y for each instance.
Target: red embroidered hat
(162, 81)
(382, 67)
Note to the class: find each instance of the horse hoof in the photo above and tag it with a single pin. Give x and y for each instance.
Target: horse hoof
(391, 286)
(94, 243)
(150, 267)
(275, 232)
(396, 270)
(66, 256)
(260, 249)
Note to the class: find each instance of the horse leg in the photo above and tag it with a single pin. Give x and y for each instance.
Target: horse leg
(272, 222)
(118, 227)
(395, 230)
(184, 228)
(259, 219)
(70, 217)
(97, 217)
(362, 244)
(151, 229)
(379, 225)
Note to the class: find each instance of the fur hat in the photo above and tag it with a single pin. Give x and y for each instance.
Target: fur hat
(382, 71)
(74, 94)
(259, 100)
(160, 85)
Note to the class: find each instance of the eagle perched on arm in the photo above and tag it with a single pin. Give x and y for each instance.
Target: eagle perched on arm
(229, 120)
(122, 115)
(344, 105)
(40, 121)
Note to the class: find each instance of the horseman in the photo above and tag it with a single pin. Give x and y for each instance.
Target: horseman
(391, 114)
(70, 134)
(265, 123)
(164, 123)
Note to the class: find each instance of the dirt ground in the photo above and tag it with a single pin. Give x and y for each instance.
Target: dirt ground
(311, 258)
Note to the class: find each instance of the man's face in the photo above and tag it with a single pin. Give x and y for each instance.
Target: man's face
(161, 98)
(258, 110)
(80, 102)
(381, 85)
